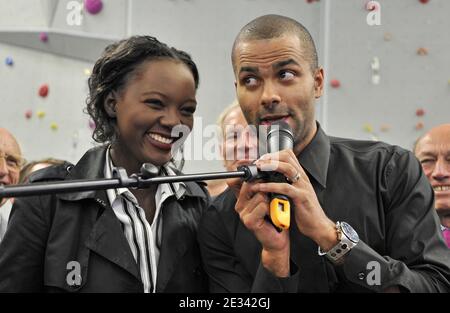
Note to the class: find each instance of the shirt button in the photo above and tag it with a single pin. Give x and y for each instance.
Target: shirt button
(361, 275)
(197, 271)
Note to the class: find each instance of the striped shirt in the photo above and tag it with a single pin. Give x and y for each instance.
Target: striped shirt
(144, 239)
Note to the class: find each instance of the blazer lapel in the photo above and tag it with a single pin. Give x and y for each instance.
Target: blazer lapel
(175, 240)
(107, 239)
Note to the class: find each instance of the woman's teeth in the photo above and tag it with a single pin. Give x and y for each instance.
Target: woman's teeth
(161, 138)
(441, 188)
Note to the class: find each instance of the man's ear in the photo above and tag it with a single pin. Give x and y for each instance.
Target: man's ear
(319, 81)
(110, 104)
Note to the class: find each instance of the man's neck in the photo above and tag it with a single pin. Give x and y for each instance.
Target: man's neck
(306, 141)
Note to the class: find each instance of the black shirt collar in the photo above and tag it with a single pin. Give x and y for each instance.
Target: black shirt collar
(316, 156)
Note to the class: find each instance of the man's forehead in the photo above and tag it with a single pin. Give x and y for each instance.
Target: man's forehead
(430, 144)
(285, 40)
(263, 52)
(8, 143)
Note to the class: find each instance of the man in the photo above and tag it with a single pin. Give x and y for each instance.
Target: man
(10, 163)
(433, 152)
(237, 144)
(361, 212)
(33, 166)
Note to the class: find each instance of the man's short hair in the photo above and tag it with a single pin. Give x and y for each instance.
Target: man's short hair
(274, 26)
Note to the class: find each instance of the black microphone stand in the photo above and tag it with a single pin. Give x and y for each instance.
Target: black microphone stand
(122, 180)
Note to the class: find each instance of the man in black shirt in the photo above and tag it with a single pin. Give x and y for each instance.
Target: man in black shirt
(362, 216)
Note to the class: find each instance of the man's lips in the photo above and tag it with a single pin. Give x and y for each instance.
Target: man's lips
(269, 119)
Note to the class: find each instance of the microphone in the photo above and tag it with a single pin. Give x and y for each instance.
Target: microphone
(279, 137)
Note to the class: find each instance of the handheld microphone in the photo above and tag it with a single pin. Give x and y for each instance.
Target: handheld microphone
(279, 137)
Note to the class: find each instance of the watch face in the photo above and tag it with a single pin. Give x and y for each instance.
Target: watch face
(349, 232)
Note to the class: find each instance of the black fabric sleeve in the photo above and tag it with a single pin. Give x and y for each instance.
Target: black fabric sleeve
(417, 258)
(22, 250)
(226, 271)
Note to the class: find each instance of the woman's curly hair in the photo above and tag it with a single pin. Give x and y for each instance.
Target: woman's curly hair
(114, 69)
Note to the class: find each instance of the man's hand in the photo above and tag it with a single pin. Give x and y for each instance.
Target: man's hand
(235, 184)
(253, 207)
(309, 215)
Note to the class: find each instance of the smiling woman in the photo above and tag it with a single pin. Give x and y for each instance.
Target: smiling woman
(119, 240)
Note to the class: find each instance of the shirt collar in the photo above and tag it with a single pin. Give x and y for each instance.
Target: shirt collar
(5, 208)
(177, 188)
(163, 192)
(315, 157)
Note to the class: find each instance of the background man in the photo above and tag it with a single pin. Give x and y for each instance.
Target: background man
(10, 163)
(238, 144)
(433, 152)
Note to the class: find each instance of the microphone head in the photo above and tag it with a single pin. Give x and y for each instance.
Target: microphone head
(279, 137)
(149, 170)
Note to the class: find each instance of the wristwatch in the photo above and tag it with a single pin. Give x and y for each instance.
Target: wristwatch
(347, 237)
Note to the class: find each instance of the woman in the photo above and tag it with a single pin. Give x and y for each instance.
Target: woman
(117, 240)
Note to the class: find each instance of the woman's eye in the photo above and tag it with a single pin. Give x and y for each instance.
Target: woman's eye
(287, 75)
(154, 102)
(189, 110)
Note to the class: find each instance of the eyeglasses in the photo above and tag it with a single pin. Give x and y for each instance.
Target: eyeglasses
(13, 162)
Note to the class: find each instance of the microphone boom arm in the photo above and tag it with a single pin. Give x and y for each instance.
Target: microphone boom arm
(121, 180)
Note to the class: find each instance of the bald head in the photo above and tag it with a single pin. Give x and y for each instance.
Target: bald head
(6, 138)
(275, 26)
(440, 133)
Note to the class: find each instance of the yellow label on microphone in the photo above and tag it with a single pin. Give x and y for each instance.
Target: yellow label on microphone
(280, 213)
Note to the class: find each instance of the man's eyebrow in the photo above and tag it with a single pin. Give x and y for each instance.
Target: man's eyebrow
(250, 69)
(284, 63)
(426, 154)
